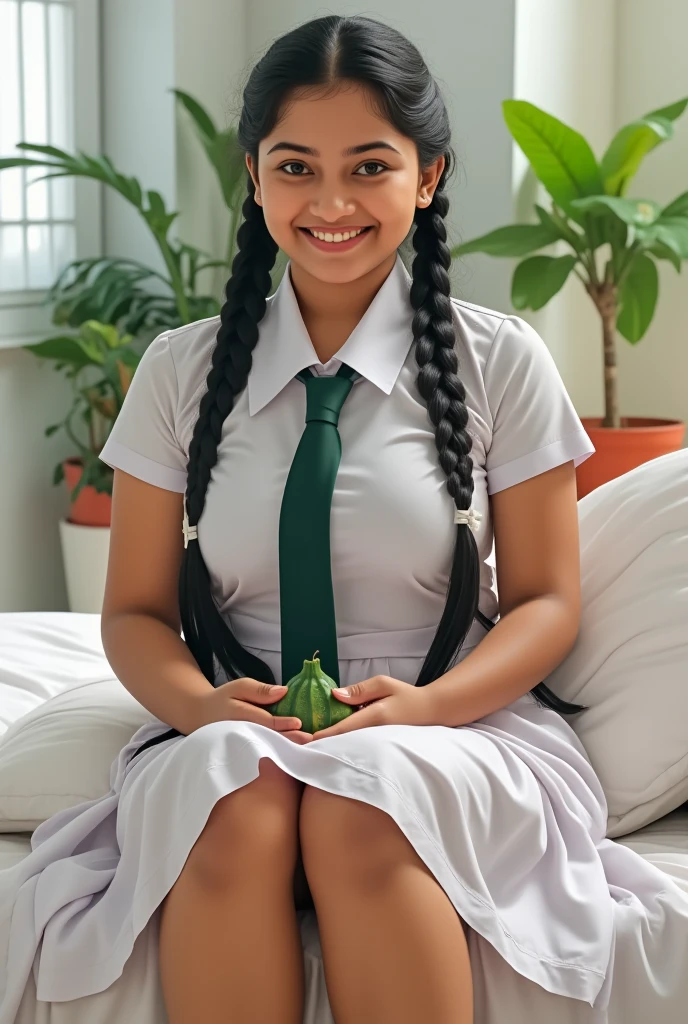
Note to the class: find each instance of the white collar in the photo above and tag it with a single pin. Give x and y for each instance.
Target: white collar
(376, 348)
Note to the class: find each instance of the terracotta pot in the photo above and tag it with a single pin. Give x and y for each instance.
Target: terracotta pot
(618, 450)
(91, 508)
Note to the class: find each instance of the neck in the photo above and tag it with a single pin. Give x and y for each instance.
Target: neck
(332, 311)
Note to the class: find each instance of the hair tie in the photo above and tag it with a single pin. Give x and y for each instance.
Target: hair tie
(190, 532)
(469, 517)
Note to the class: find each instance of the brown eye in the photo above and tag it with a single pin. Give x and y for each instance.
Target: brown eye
(371, 163)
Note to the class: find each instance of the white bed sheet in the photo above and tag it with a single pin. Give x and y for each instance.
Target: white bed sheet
(136, 997)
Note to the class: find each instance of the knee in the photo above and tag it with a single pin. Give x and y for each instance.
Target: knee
(252, 831)
(362, 839)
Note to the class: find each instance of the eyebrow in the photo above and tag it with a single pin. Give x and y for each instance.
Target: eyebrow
(351, 151)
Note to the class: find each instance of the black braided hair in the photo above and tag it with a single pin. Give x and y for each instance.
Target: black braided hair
(443, 391)
(325, 52)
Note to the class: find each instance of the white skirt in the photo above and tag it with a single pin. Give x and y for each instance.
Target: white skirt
(545, 900)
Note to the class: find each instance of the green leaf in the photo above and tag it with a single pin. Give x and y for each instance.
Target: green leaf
(672, 232)
(628, 148)
(61, 154)
(513, 240)
(638, 298)
(202, 118)
(64, 348)
(21, 161)
(638, 212)
(677, 207)
(221, 147)
(90, 345)
(105, 335)
(58, 475)
(560, 225)
(661, 251)
(49, 431)
(537, 279)
(670, 227)
(633, 142)
(672, 112)
(560, 156)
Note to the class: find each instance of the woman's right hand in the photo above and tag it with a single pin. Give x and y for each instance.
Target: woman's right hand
(241, 700)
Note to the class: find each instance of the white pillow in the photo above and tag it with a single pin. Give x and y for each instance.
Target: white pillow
(45, 653)
(60, 754)
(630, 661)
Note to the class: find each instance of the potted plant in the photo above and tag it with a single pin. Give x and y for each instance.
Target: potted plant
(115, 307)
(100, 362)
(97, 402)
(589, 213)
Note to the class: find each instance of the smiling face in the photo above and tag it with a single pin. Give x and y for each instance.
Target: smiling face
(334, 166)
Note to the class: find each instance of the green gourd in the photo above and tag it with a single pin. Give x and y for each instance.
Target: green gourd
(309, 697)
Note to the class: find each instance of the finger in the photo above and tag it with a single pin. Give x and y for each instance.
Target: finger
(296, 736)
(283, 724)
(252, 690)
(358, 694)
(249, 712)
(356, 721)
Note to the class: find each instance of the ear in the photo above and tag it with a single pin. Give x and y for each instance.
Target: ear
(252, 171)
(430, 177)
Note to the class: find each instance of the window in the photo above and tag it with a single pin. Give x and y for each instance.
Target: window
(48, 96)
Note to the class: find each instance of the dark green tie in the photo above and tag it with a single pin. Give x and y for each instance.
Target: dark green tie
(307, 613)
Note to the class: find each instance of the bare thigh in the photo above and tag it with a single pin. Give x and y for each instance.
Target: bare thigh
(250, 831)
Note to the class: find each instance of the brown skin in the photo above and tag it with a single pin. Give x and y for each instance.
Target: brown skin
(380, 187)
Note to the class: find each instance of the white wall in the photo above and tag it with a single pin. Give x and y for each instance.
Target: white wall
(651, 71)
(565, 60)
(32, 396)
(138, 116)
(149, 49)
(209, 64)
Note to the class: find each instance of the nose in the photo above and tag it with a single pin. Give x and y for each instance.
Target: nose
(330, 204)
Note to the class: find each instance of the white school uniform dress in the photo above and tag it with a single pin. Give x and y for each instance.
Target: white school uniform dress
(506, 811)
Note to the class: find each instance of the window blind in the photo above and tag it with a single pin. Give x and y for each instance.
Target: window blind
(37, 218)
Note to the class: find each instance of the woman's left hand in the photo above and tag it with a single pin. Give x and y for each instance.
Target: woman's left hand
(382, 700)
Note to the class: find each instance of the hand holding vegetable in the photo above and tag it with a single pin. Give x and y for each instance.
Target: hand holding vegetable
(382, 700)
(309, 698)
(241, 700)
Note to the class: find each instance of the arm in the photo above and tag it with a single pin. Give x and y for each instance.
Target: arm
(140, 623)
(537, 556)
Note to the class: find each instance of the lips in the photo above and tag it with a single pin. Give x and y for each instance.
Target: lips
(334, 248)
(338, 231)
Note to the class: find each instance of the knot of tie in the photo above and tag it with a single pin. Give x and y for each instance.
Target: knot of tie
(325, 397)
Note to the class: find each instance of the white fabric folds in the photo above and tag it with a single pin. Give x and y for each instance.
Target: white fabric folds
(548, 902)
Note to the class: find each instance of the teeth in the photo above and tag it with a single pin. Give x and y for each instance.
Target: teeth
(338, 236)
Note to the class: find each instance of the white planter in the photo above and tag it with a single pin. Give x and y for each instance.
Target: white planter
(85, 556)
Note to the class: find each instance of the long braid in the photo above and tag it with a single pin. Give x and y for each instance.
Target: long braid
(206, 633)
(205, 630)
(445, 395)
(439, 384)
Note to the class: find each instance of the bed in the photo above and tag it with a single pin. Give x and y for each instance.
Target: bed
(136, 997)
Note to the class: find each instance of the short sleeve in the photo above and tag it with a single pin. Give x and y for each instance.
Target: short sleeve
(143, 439)
(535, 426)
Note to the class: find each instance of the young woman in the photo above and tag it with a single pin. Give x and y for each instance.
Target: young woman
(456, 796)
